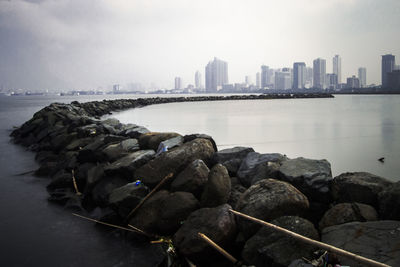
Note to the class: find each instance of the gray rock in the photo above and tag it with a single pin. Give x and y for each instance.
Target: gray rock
(231, 158)
(191, 137)
(389, 202)
(378, 240)
(256, 167)
(94, 175)
(127, 165)
(348, 212)
(311, 177)
(125, 198)
(269, 247)
(112, 122)
(237, 190)
(164, 212)
(218, 187)
(134, 131)
(103, 188)
(269, 199)
(174, 161)
(116, 151)
(153, 140)
(359, 187)
(192, 179)
(78, 144)
(171, 143)
(216, 223)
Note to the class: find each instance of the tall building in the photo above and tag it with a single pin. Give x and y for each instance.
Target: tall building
(258, 80)
(393, 80)
(197, 80)
(178, 83)
(362, 76)
(299, 75)
(353, 82)
(319, 77)
(283, 79)
(337, 67)
(388, 65)
(309, 77)
(116, 88)
(265, 79)
(331, 81)
(247, 80)
(216, 75)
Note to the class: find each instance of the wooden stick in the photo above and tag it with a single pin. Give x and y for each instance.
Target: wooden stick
(141, 231)
(148, 195)
(75, 185)
(108, 224)
(218, 248)
(327, 247)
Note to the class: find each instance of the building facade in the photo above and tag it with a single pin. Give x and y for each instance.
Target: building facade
(362, 76)
(197, 80)
(299, 75)
(216, 75)
(265, 79)
(319, 73)
(258, 80)
(388, 65)
(178, 83)
(353, 82)
(332, 81)
(337, 67)
(283, 80)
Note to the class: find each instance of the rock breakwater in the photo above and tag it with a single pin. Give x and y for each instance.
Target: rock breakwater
(111, 167)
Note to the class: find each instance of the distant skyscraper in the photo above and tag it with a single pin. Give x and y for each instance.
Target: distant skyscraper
(178, 83)
(319, 69)
(197, 80)
(264, 76)
(362, 76)
(337, 67)
(216, 75)
(116, 88)
(309, 77)
(388, 65)
(299, 75)
(283, 79)
(331, 81)
(258, 80)
(247, 80)
(353, 82)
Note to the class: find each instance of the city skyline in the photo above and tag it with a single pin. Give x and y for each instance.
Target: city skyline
(85, 45)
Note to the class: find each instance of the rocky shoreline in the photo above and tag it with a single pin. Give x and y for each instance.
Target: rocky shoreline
(109, 166)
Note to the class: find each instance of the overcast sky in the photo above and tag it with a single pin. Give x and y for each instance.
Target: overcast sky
(85, 44)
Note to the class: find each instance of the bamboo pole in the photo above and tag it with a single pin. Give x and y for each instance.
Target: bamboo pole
(149, 195)
(218, 248)
(304, 239)
(75, 184)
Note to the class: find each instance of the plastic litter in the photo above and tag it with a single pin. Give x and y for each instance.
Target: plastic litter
(138, 182)
(161, 149)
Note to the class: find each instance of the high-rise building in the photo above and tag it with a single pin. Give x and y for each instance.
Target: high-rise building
(299, 75)
(393, 79)
(362, 76)
(388, 65)
(337, 67)
(197, 80)
(353, 82)
(265, 79)
(178, 83)
(116, 88)
(283, 79)
(309, 77)
(319, 77)
(216, 75)
(247, 80)
(331, 81)
(258, 80)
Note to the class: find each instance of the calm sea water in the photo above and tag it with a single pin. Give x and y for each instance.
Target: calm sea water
(352, 132)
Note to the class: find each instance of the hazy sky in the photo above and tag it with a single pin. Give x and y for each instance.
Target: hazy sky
(84, 44)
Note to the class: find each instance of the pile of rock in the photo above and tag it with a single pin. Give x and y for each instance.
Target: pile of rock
(114, 166)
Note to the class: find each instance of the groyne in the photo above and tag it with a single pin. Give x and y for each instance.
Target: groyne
(173, 186)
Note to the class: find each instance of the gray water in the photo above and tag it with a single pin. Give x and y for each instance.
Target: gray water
(351, 131)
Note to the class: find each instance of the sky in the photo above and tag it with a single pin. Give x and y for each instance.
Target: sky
(87, 44)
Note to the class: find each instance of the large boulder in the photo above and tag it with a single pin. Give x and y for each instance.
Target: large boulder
(218, 187)
(103, 188)
(270, 247)
(125, 198)
(348, 212)
(216, 223)
(256, 166)
(311, 177)
(191, 137)
(231, 158)
(174, 161)
(192, 179)
(359, 187)
(269, 199)
(389, 202)
(170, 143)
(237, 190)
(133, 131)
(164, 212)
(116, 151)
(153, 140)
(378, 240)
(127, 165)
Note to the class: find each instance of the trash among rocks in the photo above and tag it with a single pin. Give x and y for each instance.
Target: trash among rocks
(161, 149)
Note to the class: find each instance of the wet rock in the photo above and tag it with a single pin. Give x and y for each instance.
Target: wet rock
(164, 212)
(191, 137)
(389, 202)
(103, 188)
(134, 131)
(125, 198)
(174, 161)
(153, 140)
(256, 166)
(112, 122)
(93, 176)
(311, 177)
(231, 158)
(171, 143)
(377, 240)
(192, 179)
(47, 168)
(61, 179)
(216, 223)
(127, 165)
(271, 248)
(348, 212)
(269, 199)
(116, 151)
(218, 187)
(237, 190)
(78, 144)
(359, 187)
